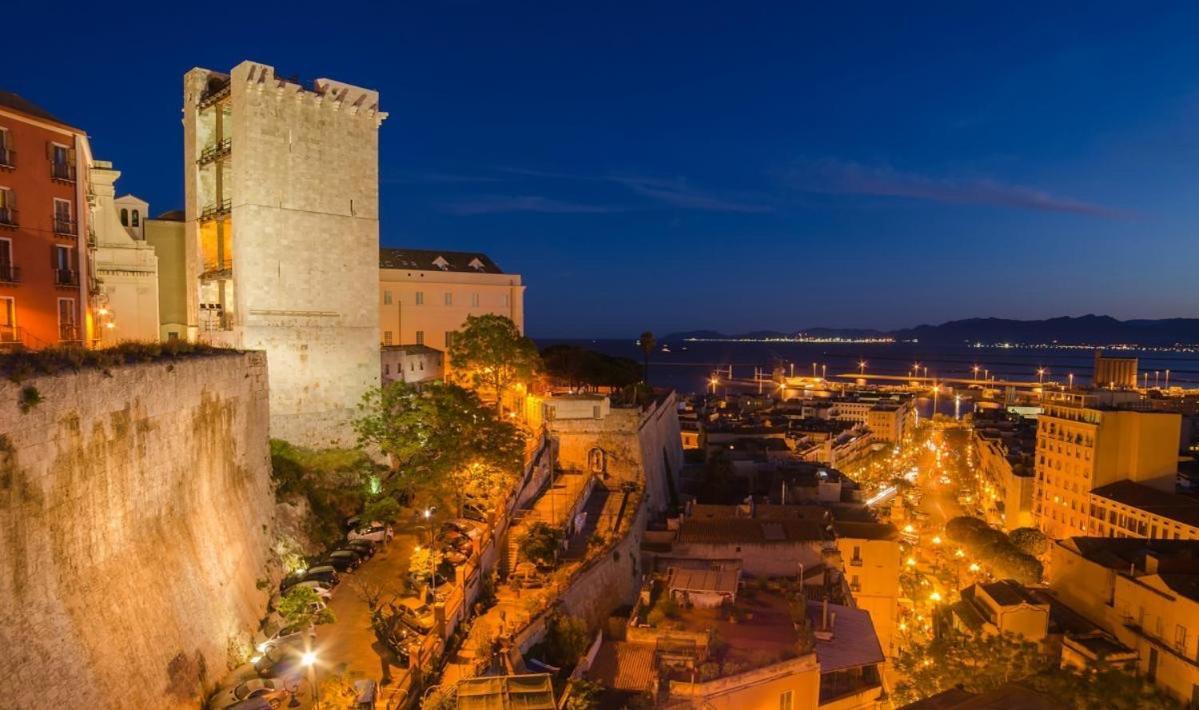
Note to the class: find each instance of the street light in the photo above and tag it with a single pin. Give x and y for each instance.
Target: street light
(1070, 378)
(308, 660)
(428, 513)
(1040, 375)
(862, 367)
(976, 368)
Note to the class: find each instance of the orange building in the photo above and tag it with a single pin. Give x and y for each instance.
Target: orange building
(44, 269)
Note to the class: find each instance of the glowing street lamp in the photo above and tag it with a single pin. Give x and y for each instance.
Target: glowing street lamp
(934, 597)
(862, 367)
(911, 562)
(974, 567)
(1070, 379)
(1040, 375)
(308, 660)
(937, 540)
(976, 368)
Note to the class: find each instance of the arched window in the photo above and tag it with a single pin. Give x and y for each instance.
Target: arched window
(137, 219)
(597, 461)
(124, 217)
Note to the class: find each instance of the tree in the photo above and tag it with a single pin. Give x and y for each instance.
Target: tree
(647, 343)
(490, 352)
(1102, 686)
(720, 484)
(423, 564)
(302, 606)
(430, 432)
(575, 367)
(566, 640)
(977, 662)
(540, 544)
(584, 695)
(1030, 541)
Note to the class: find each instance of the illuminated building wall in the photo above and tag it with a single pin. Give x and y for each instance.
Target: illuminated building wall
(126, 302)
(283, 237)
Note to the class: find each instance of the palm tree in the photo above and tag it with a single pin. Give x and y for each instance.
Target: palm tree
(647, 343)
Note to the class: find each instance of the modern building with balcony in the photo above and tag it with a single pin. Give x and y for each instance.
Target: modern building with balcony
(45, 279)
(282, 236)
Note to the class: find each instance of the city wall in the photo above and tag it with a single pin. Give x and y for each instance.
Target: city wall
(135, 516)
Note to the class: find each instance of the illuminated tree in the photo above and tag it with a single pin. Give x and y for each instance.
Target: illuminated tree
(1030, 541)
(301, 606)
(423, 563)
(976, 662)
(490, 353)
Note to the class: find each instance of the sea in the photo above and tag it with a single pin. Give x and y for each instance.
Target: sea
(687, 366)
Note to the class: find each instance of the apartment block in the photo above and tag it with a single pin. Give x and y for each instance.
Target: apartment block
(1086, 440)
(1129, 509)
(1006, 445)
(426, 295)
(282, 236)
(45, 275)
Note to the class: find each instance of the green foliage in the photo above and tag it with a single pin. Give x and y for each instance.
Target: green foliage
(382, 508)
(431, 432)
(298, 607)
(576, 367)
(720, 484)
(29, 398)
(566, 640)
(423, 563)
(330, 479)
(977, 662)
(1030, 541)
(1101, 687)
(540, 544)
(21, 365)
(490, 352)
(994, 548)
(584, 695)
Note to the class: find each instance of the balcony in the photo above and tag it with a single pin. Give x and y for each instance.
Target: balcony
(66, 277)
(10, 274)
(8, 217)
(68, 334)
(217, 91)
(216, 151)
(62, 171)
(65, 227)
(8, 158)
(216, 210)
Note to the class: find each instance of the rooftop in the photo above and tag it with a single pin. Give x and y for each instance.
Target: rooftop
(429, 260)
(703, 580)
(750, 530)
(1009, 592)
(20, 104)
(530, 692)
(1125, 553)
(1173, 506)
(1011, 695)
(854, 643)
(865, 530)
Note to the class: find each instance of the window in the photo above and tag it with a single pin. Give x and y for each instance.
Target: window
(787, 700)
(420, 298)
(7, 273)
(67, 329)
(8, 206)
(1180, 639)
(63, 224)
(64, 272)
(173, 336)
(474, 300)
(62, 162)
(387, 368)
(6, 155)
(387, 337)
(420, 337)
(857, 556)
(449, 298)
(124, 217)
(137, 218)
(8, 320)
(449, 339)
(387, 298)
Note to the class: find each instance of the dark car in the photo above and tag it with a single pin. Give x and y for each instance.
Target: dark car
(321, 573)
(366, 548)
(343, 560)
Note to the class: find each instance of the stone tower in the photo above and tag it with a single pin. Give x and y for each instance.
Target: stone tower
(282, 210)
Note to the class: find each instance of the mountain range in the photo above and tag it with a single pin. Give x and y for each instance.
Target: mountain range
(1066, 330)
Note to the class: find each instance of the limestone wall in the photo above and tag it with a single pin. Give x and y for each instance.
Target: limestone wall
(135, 514)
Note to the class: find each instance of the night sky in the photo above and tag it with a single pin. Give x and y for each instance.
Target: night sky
(732, 166)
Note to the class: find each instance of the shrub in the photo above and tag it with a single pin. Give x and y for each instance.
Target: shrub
(540, 544)
(1030, 541)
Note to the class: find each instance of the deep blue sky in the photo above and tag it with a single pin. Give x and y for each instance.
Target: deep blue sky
(729, 165)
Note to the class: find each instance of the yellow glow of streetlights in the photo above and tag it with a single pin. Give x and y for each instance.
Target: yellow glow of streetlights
(908, 528)
(911, 562)
(308, 659)
(937, 540)
(934, 597)
(959, 552)
(974, 567)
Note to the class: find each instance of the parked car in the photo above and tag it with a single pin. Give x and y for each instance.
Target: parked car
(375, 532)
(457, 541)
(462, 526)
(315, 607)
(323, 573)
(269, 690)
(365, 547)
(343, 560)
(282, 663)
(453, 556)
(472, 510)
(277, 632)
(415, 614)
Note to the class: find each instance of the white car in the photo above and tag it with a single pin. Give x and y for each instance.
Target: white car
(269, 689)
(375, 532)
(276, 632)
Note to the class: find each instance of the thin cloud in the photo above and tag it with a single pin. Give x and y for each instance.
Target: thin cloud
(674, 192)
(847, 178)
(499, 204)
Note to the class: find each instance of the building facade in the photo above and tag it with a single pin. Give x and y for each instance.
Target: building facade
(45, 276)
(411, 363)
(1088, 440)
(126, 267)
(1128, 509)
(282, 236)
(424, 295)
(167, 235)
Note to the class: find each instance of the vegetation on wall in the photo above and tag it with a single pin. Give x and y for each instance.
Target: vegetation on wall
(540, 544)
(334, 482)
(21, 365)
(579, 368)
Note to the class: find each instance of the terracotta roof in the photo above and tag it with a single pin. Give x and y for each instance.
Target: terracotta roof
(624, 666)
(1173, 506)
(430, 260)
(20, 104)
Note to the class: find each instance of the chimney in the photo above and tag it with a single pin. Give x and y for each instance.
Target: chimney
(825, 632)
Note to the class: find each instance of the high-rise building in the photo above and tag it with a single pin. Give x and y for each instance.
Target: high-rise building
(282, 230)
(426, 295)
(1113, 372)
(45, 277)
(1086, 440)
